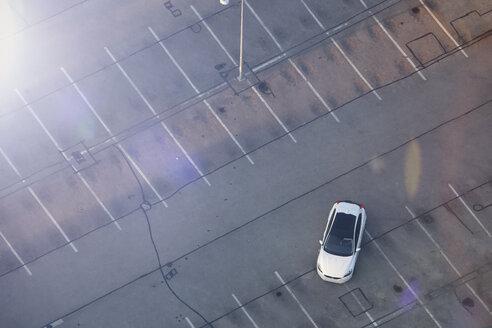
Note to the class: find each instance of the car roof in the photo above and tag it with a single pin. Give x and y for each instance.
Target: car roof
(343, 225)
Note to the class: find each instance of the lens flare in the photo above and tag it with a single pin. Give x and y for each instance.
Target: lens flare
(413, 168)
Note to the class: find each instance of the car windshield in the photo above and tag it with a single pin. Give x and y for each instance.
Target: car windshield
(341, 237)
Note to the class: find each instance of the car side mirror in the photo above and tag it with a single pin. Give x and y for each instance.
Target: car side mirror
(321, 242)
(358, 249)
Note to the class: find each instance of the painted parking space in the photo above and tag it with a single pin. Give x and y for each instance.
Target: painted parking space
(108, 91)
(68, 119)
(27, 227)
(201, 62)
(290, 96)
(417, 32)
(204, 138)
(323, 66)
(159, 157)
(157, 77)
(114, 181)
(17, 143)
(373, 53)
(76, 215)
(294, 26)
(247, 117)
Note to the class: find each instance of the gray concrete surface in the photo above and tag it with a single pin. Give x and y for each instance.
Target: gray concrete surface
(198, 200)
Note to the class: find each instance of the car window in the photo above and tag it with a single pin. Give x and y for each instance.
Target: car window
(340, 239)
(357, 230)
(330, 223)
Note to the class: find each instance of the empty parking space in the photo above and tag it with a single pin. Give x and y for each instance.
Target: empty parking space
(157, 77)
(373, 53)
(76, 215)
(115, 183)
(27, 227)
(159, 157)
(109, 93)
(258, 46)
(323, 66)
(247, 117)
(294, 26)
(204, 138)
(18, 133)
(199, 62)
(68, 119)
(290, 96)
(417, 258)
(413, 27)
(334, 13)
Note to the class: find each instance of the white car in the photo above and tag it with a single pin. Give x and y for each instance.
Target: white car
(341, 242)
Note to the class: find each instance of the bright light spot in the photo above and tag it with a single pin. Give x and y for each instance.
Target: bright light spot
(9, 24)
(413, 168)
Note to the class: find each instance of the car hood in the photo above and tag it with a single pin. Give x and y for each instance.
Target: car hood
(334, 265)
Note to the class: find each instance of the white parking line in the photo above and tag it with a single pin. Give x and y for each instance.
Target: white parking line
(50, 216)
(213, 35)
(93, 110)
(448, 260)
(444, 30)
(197, 91)
(374, 323)
(189, 322)
(151, 108)
(254, 88)
(245, 312)
(316, 93)
(342, 52)
(469, 210)
(403, 279)
(65, 156)
(15, 253)
(295, 299)
(394, 42)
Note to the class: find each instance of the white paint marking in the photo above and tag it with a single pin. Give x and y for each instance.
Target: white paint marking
(189, 322)
(269, 62)
(96, 197)
(52, 219)
(403, 279)
(36, 117)
(263, 25)
(228, 132)
(442, 27)
(273, 114)
(65, 156)
(356, 69)
(292, 63)
(151, 108)
(395, 43)
(245, 312)
(56, 323)
(204, 101)
(16, 255)
(32, 192)
(374, 323)
(295, 299)
(469, 210)
(341, 51)
(93, 110)
(447, 259)
(214, 36)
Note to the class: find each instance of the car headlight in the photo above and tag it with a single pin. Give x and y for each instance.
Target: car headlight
(348, 273)
(319, 268)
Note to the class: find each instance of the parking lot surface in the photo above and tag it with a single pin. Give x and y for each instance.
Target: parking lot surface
(143, 184)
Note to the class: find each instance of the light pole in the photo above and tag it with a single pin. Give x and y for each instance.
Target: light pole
(225, 3)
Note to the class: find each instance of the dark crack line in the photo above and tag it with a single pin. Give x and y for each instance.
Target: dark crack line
(151, 235)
